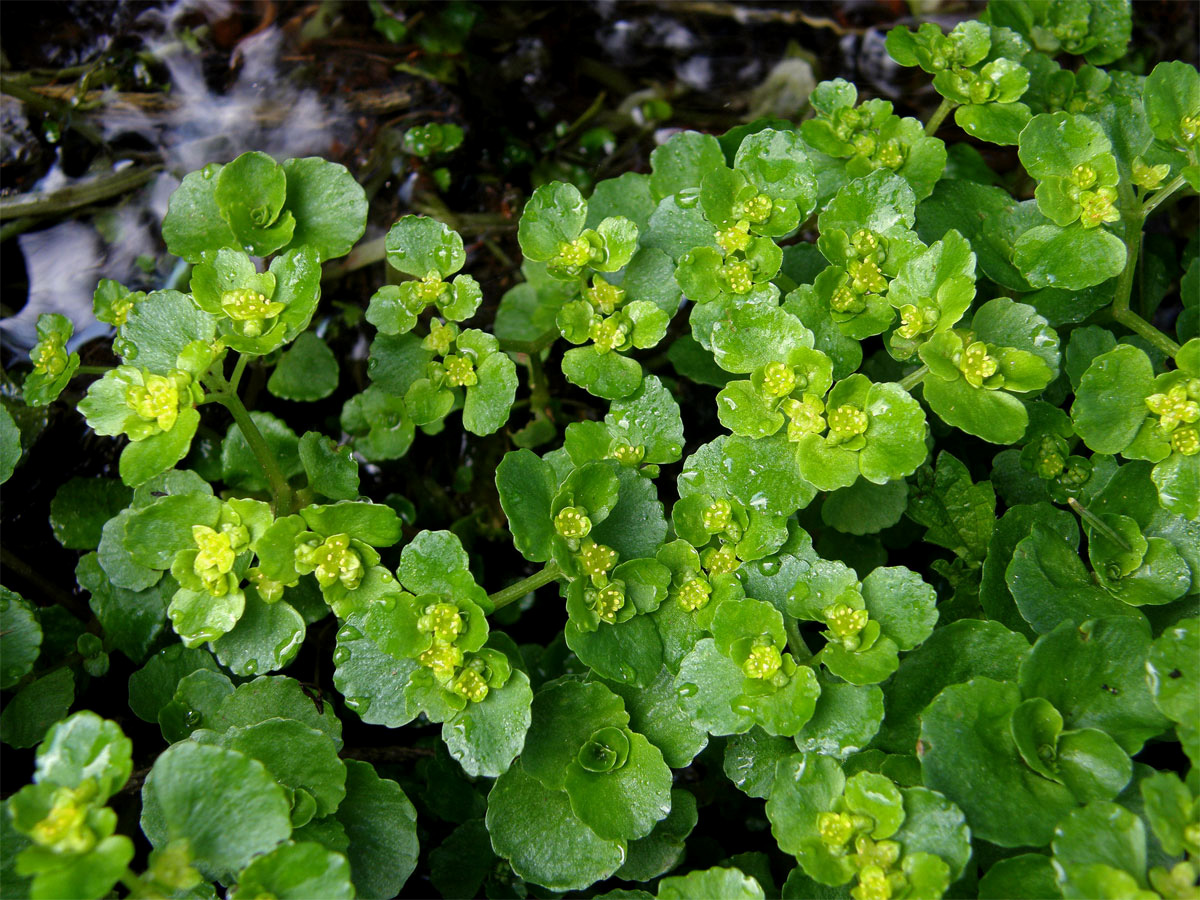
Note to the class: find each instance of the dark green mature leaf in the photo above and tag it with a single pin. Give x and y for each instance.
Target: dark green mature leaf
(954, 653)
(1028, 875)
(533, 827)
(295, 872)
(331, 470)
(275, 696)
(226, 805)
(988, 217)
(1015, 525)
(711, 884)
(1094, 675)
(81, 507)
(307, 370)
(846, 718)
(132, 620)
(1109, 405)
(381, 824)
(265, 639)
(1099, 834)
(329, 206)
(527, 485)
(966, 731)
(959, 514)
(750, 760)
(655, 712)
(10, 444)
(153, 686)
(241, 468)
(458, 866)
(1050, 584)
(36, 707)
(20, 637)
(663, 848)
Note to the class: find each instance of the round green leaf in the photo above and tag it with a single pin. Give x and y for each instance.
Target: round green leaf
(1026, 875)
(1073, 258)
(554, 215)
(486, 736)
(225, 805)
(710, 689)
(564, 716)
(1109, 406)
(846, 717)
(20, 637)
(610, 376)
(902, 603)
(623, 803)
(307, 370)
(710, 884)
(299, 757)
(275, 696)
(331, 470)
(193, 225)
(964, 731)
(266, 637)
(1094, 674)
(328, 204)
(534, 828)
(36, 707)
(296, 872)
(153, 685)
(864, 507)
(381, 824)
(85, 746)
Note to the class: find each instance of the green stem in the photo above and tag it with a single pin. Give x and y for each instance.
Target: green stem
(531, 348)
(514, 592)
(1162, 194)
(236, 378)
(912, 379)
(939, 114)
(1133, 220)
(281, 491)
(93, 370)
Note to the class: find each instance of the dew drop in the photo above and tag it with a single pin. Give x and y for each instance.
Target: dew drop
(768, 566)
(359, 704)
(341, 656)
(741, 707)
(348, 633)
(209, 171)
(626, 673)
(250, 667)
(687, 689)
(386, 578)
(191, 718)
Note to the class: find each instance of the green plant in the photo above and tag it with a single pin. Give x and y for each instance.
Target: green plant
(1003, 706)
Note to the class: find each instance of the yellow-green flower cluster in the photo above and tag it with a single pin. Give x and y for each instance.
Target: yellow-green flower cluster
(1178, 411)
(157, 402)
(331, 560)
